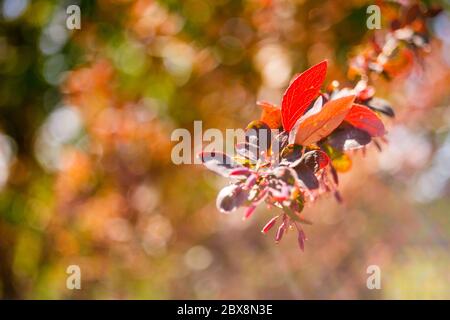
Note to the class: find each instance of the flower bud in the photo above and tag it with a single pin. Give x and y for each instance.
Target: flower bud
(269, 224)
(248, 212)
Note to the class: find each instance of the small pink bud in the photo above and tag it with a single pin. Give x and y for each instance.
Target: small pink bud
(334, 175)
(337, 196)
(301, 239)
(280, 232)
(240, 172)
(249, 212)
(269, 224)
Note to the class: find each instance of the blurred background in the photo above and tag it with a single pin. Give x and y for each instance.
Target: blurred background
(86, 176)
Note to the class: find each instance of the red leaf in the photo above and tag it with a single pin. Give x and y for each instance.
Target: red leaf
(321, 124)
(300, 93)
(271, 115)
(365, 119)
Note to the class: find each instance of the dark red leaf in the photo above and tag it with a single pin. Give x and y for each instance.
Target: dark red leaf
(307, 176)
(349, 138)
(308, 165)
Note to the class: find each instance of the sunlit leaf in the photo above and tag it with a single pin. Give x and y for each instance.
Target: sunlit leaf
(271, 115)
(319, 125)
(300, 93)
(363, 118)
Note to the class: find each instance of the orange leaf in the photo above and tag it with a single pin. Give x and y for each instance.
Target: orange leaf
(365, 119)
(271, 115)
(300, 93)
(319, 125)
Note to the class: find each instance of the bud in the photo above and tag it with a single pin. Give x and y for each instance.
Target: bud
(269, 224)
(240, 172)
(248, 212)
(338, 196)
(301, 239)
(280, 232)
